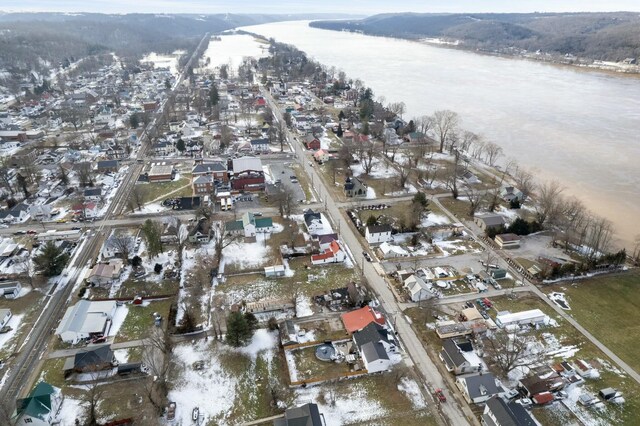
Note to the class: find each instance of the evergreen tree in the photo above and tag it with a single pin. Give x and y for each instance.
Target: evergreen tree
(238, 330)
(252, 321)
(152, 233)
(180, 145)
(134, 121)
(341, 116)
(51, 260)
(339, 132)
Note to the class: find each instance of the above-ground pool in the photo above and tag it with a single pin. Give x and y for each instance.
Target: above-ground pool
(325, 352)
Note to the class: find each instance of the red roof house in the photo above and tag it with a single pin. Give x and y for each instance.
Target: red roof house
(357, 320)
(333, 254)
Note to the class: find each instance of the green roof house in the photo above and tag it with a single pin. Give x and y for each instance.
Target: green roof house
(41, 407)
(249, 225)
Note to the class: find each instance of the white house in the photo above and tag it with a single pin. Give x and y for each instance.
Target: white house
(40, 408)
(389, 251)
(86, 319)
(375, 345)
(377, 234)
(478, 388)
(249, 225)
(313, 222)
(334, 254)
(40, 212)
(5, 316)
(18, 213)
(418, 288)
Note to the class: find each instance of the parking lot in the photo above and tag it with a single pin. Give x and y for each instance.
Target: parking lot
(281, 171)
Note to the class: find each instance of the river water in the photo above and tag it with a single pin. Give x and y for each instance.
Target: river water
(580, 127)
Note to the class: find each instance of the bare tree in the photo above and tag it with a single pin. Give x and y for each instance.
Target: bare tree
(285, 199)
(598, 238)
(222, 240)
(444, 122)
(124, 244)
(477, 149)
(549, 200)
(573, 215)
(468, 140)
(156, 353)
(403, 176)
(450, 175)
(368, 154)
(475, 199)
(493, 152)
(397, 108)
(137, 198)
(416, 154)
(635, 254)
(91, 397)
(424, 124)
(509, 349)
(525, 182)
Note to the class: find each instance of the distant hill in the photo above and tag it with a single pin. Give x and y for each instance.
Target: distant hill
(35, 41)
(597, 36)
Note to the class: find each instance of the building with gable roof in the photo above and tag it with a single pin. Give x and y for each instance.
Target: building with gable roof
(40, 407)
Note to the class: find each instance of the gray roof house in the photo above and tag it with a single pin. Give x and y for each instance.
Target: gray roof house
(454, 359)
(86, 319)
(305, 415)
(498, 412)
(489, 221)
(374, 344)
(90, 360)
(478, 388)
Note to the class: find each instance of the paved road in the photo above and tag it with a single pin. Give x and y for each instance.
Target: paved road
(455, 414)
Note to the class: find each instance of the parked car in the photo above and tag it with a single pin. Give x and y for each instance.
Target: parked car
(32, 232)
(440, 395)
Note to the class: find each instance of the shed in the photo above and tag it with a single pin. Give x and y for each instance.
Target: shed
(274, 271)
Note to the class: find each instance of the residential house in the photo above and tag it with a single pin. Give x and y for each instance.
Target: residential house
(548, 381)
(488, 221)
(507, 241)
(509, 194)
(311, 142)
(199, 233)
(325, 240)
(260, 145)
(499, 412)
(17, 213)
(313, 221)
(5, 316)
(418, 288)
(86, 319)
(360, 318)
(389, 251)
(453, 355)
(321, 156)
(103, 274)
(160, 173)
(334, 254)
(163, 148)
(94, 360)
(40, 212)
(107, 166)
(250, 225)
(305, 415)
(376, 234)
(375, 344)
(92, 194)
(478, 388)
(40, 408)
(86, 210)
(10, 289)
(354, 187)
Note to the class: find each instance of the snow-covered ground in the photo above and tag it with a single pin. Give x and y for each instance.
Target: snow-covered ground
(303, 306)
(70, 410)
(412, 390)
(118, 319)
(151, 208)
(348, 408)
(380, 170)
(433, 219)
(245, 255)
(212, 389)
(371, 193)
(5, 339)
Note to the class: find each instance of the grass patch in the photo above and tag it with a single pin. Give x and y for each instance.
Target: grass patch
(134, 287)
(607, 306)
(458, 207)
(156, 191)
(28, 305)
(52, 372)
(309, 367)
(140, 321)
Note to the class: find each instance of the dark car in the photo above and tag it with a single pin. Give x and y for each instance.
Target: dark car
(32, 232)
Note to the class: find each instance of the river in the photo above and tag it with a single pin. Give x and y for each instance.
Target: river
(580, 127)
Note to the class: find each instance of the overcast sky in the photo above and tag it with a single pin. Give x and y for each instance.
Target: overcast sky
(301, 6)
